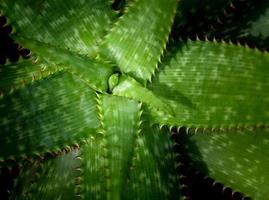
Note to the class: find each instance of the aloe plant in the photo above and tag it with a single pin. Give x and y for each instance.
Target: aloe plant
(120, 100)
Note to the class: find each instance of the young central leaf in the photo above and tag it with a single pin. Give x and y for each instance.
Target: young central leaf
(130, 88)
(113, 81)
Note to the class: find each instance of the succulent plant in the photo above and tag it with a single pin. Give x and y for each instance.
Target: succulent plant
(138, 99)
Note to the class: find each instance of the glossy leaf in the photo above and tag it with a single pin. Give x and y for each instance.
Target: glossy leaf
(138, 39)
(72, 25)
(51, 178)
(130, 88)
(16, 75)
(93, 72)
(213, 84)
(46, 115)
(237, 159)
(122, 163)
(153, 174)
(106, 159)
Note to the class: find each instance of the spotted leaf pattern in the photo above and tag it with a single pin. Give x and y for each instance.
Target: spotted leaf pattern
(94, 171)
(36, 119)
(198, 76)
(77, 26)
(94, 72)
(237, 158)
(138, 56)
(49, 178)
(114, 148)
(153, 174)
(123, 155)
(16, 75)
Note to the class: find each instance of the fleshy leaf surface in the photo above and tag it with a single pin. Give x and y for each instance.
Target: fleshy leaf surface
(51, 178)
(237, 159)
(138, 39)
(114, 148)
(75, 25)
(110, 162)
(56, 111)
(15, 75)
(93, 72)
(130, 88)
(213, 84)
(153, 174)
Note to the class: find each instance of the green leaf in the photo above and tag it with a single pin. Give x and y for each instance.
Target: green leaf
(46, 115)
(106, 159)
(72, 25)
(122, 162)
(138, 39)
(113, 81)
(130, 88)
(213, 84)
(16, 75)
(238, 159)
(93, 171)
(93, 72)
(153, 174)
(51, 178)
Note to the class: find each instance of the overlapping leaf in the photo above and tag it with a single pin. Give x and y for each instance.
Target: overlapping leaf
(130, 88)
(123, 162)
(136, 42)
(75, 25)
(46, 115)
(153, 174)
(15, 75)
(93, 72)
(49, 179)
